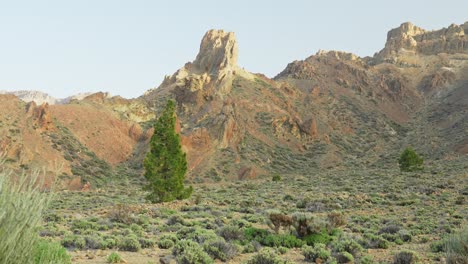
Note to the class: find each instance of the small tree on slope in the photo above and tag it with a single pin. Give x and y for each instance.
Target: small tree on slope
(165, 163)
(410, 161)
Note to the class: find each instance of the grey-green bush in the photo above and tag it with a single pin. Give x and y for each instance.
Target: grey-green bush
(190, 252)
(456, 247)
(22, 205)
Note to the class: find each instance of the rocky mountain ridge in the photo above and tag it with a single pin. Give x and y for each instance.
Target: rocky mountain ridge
(41, 97)
(333, 110)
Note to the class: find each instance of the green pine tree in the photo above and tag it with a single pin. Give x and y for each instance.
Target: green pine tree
(410, 161)
(166, 164)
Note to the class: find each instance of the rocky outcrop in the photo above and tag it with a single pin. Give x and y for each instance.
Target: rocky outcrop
(40, 114)
(33, 96)
(218, 52)
(408, 38)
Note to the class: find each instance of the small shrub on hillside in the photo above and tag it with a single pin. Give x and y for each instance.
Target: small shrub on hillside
(129, 243)
(231, 232)
(276, 178)
(50, 253)
(276, 220)
(165, 243)
(410, 161)
(95, 242)
(336, 219)
(405, 257)
(190, 252)
(74, 241)
(196, 234)
(306, 224)
(146, 243)
(122, 213)
(438, 246)
(219, 249)
(345, 244)
(266, 256)
(344, 257)
(114, 257)
(318, 251)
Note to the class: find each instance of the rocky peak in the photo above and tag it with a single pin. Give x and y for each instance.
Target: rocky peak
(410, 39)
(218, 51)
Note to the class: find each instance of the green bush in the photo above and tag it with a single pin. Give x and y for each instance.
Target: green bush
(165, 243)
(274, 240)
(321, 238)
(344, 244)
(252, 233)
(457, 247)
(114, 257)
(50, 253)
(22, 205)
(266, 256)
(410, 161)
(190, 252)
(276, 178)
(220, 249)
(318, 251)
(129, 243)
(74, 241)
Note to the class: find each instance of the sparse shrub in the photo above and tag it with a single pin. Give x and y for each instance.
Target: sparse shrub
(457, 247)
(410, 161)
(175, 219)
(405, 257)
(190, 252)
(438, 246)
(318, 251)
(231, 232)
(276, 220)
(95, 242)
(129, 243)
(336, 219)
(266, 256)
(220, 249)
(50, 253)
(374, 241)
(196, 234)
(114, 257)
(22, 205)
(74, 241)
(122, 213)
(404, 235)
(146, 243)
(345, 244)
(344, 257)
(306, 224)
(276, 178)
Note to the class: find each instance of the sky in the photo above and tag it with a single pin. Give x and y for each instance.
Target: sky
(127, 47)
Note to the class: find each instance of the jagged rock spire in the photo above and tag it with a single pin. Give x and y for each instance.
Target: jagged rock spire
(218, 51)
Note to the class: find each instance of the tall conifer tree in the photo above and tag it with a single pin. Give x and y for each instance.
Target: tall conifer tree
(165, 163)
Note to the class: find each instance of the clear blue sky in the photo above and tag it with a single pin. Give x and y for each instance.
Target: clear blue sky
(65, 47)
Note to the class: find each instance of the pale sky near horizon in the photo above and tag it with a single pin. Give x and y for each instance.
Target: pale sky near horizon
(127, 47)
